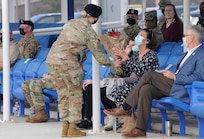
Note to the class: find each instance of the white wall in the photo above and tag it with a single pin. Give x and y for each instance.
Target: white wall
(111, 10)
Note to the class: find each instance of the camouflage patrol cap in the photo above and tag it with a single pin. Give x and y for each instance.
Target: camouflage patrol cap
(27, 22)
(150, 15)
(163, 3)
(132, 11)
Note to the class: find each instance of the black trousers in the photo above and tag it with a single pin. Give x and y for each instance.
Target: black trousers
(87, 105)
(151, 86)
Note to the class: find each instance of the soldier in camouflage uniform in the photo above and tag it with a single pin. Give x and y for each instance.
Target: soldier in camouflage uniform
(64, 66)
(28, 45)
(151, 24)
(33, 93)
(133, 28)
(13, 49)
(162, 4)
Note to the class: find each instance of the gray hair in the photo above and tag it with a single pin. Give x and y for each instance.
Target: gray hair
(197, 31)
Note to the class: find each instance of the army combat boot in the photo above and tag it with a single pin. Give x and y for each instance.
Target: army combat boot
(73, 132)
(65, 128)
(39, 117)
(28, 119)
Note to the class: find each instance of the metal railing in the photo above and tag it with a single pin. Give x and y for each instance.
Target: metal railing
(56, 30)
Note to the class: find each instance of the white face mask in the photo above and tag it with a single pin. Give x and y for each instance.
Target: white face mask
(185, 44)
(135, 48)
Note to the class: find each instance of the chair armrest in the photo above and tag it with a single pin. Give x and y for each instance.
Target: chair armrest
(189, 87)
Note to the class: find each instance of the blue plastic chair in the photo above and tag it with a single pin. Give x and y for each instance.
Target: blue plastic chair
(197, 105)
(42, 69)
(104, 70)
(166, 47)
(177, 48)
(162, 59)
(173, 104)
(174, 59)
(42, 53)
(18, 77)
(88, 57)
(87, 71)
(32, 69)
(43, 40)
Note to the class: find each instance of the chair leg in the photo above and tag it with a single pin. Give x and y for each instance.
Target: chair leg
(11, 106)
(164, 118)
(182, 122)
(102, 114)
(200, 127)
(47, 109)
(22, 108)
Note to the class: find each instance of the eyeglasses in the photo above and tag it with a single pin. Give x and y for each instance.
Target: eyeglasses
(187, 35)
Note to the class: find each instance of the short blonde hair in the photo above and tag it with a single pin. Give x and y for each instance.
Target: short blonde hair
(85, 14)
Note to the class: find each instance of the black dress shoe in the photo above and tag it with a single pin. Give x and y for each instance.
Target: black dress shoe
(85, 124)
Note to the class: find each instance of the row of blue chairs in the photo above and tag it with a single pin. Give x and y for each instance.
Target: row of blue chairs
(168, 53)
(25, 69)
(196, 107)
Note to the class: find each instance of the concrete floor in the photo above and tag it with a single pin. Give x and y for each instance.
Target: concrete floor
(18, 129)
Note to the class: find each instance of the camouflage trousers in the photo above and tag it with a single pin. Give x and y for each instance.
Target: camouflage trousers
(33, 91)
(68, 81)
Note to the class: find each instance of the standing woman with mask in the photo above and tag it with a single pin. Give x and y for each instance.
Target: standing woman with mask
(64, 66)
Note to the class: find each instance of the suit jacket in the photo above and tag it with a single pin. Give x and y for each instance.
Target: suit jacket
(191, 70)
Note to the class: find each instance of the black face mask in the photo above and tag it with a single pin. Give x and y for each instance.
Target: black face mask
(21, 31)
(95, 22)
(0, 39)
(202, 13)
(131, 21)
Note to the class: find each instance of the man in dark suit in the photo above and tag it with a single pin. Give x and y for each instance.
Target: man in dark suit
(155, 85)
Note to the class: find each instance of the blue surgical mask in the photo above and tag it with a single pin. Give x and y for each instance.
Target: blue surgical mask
(135, 48)
(138, 40)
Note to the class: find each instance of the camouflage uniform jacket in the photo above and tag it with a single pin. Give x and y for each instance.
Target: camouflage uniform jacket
(157, 39)
(77, 35)
(161, 22)
(28, 46)
(14, 52)
(132, 29)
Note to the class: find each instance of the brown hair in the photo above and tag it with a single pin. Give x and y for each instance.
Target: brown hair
(202, 6)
